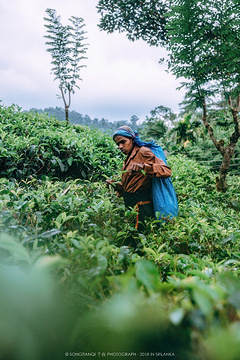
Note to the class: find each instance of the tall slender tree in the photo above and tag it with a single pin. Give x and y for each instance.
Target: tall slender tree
(68, 48)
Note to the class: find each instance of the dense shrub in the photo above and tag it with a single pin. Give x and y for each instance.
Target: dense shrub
(180, 295)
(34, 144)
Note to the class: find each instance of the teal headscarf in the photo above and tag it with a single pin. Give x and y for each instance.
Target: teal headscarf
(126, 131)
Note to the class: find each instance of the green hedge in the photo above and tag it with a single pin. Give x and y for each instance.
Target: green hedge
(181, 297)
(35, 145)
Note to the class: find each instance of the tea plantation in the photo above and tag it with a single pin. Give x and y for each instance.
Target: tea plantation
(70, 285)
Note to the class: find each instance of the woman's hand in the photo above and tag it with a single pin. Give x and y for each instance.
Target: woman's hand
(136, 167)
(109, 182)
(116, 184)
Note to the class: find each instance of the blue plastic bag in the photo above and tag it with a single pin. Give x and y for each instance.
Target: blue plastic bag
(164, 197)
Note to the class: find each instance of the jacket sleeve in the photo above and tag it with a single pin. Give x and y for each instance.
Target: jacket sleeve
(154, 166)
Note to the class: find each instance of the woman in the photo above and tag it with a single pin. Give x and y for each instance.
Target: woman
(139, 167)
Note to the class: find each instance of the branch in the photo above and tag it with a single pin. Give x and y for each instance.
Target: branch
(69, 98)
(218, 144)
(63, 97)
(238, 103)
(235, 111)
(236, 134)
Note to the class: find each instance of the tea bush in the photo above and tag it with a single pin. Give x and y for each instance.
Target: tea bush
(34, 144)
(179, 295)
(182, 318)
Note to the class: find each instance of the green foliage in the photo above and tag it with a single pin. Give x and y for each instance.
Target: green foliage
(139, 19)
(34, 144)
(186, 129)
(198, 44)
(202, 37)
(189, 137)
(30, 300)
(156, 125)
(69, 279)
(203, 42)
(184, 317)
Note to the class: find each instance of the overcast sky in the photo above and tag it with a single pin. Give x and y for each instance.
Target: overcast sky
(122, 78)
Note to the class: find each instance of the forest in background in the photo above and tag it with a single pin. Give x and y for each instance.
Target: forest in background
(77, 118)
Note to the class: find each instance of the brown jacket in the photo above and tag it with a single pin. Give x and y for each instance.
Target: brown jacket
(152, 166)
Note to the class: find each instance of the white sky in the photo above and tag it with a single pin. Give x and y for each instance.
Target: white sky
(122, 78)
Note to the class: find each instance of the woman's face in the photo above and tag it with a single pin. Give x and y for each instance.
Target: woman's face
(124, 144)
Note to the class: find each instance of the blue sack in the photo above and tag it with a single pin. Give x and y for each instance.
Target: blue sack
(164, 197)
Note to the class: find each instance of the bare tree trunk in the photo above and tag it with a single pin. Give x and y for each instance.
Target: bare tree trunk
(65, 103)
(226, 151)
(66, 113)
(221, 180)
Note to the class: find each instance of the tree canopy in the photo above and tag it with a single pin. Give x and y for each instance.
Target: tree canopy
(202, 37)
(139, 19)
(204, 49)
(202, 40)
